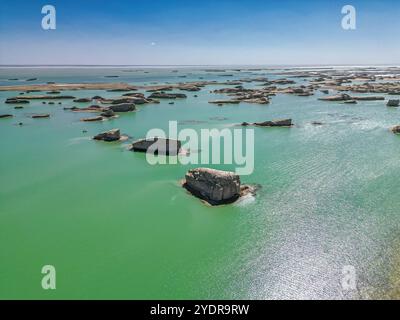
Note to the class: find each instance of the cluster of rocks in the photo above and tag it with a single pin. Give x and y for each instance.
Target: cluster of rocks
(212, 186)
(241, 94)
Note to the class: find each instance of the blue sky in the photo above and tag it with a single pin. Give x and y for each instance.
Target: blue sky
(174, 32)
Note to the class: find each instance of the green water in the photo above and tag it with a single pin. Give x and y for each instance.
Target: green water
(116, 227)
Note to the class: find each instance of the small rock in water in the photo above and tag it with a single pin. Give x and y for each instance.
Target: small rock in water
(108, 113)
(395, 129)
(92, 119)
(108, 136)
(38, 116)
(5, 116)
(156, 145)
(82, 100)
(393, 103)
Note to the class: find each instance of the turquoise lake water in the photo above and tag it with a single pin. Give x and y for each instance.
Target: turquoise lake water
(116, 227)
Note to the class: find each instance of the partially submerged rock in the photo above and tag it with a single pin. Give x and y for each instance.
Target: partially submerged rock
(393, 103)
(157, 146)
(123, 107)
(109, 136)
(275, 123)
(221, 102)
(340, 97)
(5, 116)
(108, 113)
(83, 100)
(92, 119)
(350, 102)
(216, 187)
(369, 98)
(395, 129)
(15, 100)
(163, 95)
(93, 108)
(38, 116)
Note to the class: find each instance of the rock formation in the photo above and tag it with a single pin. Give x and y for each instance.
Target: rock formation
(109, 136)
(213, 186)
(157, 146)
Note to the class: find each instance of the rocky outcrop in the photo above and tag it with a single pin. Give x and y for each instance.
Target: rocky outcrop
(123, 107)
(273, 123)
(213, 186)
(109, 136)
(157, 146)
(163, 95)
(393, 103)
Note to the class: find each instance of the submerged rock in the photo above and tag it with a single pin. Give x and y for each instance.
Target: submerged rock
(393, 103)
(369, 98)
(109, 136)
(157, 146)
(213, 186)
(350, 102)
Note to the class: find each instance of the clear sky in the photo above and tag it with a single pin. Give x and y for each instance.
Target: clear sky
(202, 32)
